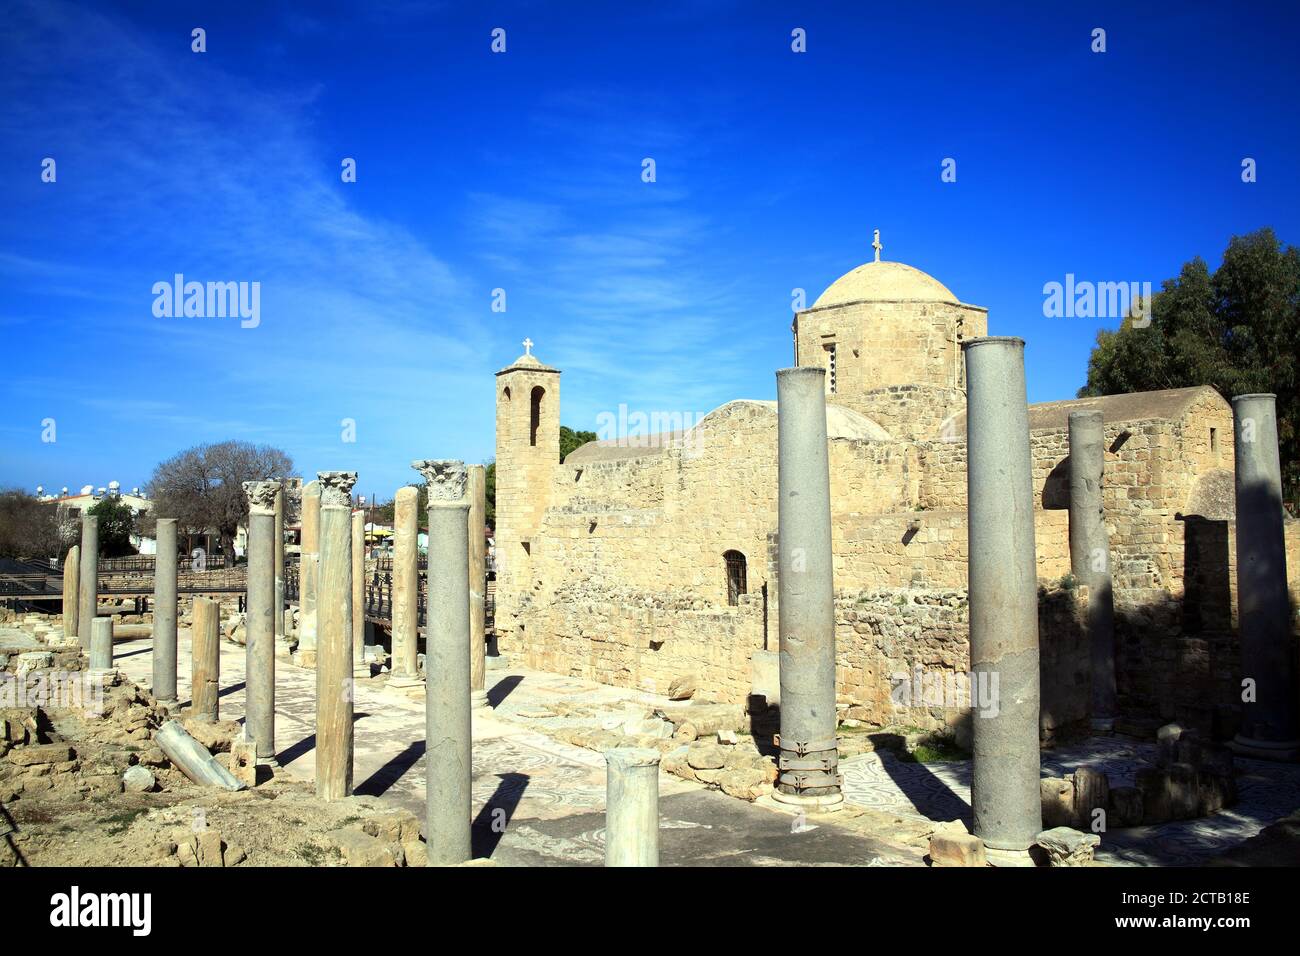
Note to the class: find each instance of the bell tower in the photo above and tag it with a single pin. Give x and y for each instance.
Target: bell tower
(528, 451)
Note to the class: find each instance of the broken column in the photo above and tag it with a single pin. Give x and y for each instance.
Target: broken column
(448, 771)
(1090, 557)
(101, 644)
(1003, 599)
(406, 583)
(259, 621)
(71, 577)
(308, 572)
(477, 488)
(359, 666)
(1268, 725)
(809, 759)
(88, 579)
(279, 564)
(632, 806)
(164, 611)
(334, 686)
(205, 648)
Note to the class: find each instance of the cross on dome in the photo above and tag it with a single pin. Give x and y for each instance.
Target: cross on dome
(528, 343)
(875, 244)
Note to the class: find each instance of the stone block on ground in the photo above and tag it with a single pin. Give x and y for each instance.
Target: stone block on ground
(950, 847)
(1068, 847)
(1125, 807)
(138, 779)
(1057, 795)
(1091, 792)
(361, 849)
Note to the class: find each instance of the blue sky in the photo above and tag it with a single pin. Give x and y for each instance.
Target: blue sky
(522, 171)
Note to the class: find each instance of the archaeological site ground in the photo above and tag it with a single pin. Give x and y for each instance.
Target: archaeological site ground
(970, 563)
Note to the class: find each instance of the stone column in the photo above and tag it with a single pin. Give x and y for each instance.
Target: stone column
(101, 644)
(71, 597)
(406, 583)
(279, 564)
(1003, 597)
(1090, 557)
(477, 586)
(164, 611)
(308, 572)
(205, 648)
(1268, 726)
(259, 620)
(631, 807)
(334, 686)
(88, 579)
(809, 758)
(447, 755)
(359, 666)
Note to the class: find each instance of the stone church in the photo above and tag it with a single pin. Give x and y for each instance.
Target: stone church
(643, 561)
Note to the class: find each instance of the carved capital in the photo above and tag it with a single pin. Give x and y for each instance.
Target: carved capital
(445, 477)
(261, 496)
(336, 487)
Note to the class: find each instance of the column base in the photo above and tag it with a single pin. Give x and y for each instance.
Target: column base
(1281, 750)
(305, 658)
(824, 803)
(361, 670)
(478, 700)
(399, 681)
(1009, 858)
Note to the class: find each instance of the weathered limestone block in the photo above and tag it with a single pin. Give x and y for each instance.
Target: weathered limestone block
(1067, 847)
(137, 779)
(952, 848)
(361, 849)
(1058, 801)
(1091, 792)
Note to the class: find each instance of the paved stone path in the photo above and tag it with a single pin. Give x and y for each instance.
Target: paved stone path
(549, 795)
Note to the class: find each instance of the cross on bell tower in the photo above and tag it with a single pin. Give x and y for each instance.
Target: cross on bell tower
(875, 244)
(528, 343)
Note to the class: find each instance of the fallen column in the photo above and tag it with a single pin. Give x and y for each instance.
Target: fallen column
(477, 489)
(359, 666)
(448, 748)
(101, 644)
(192, 758)
(809, 758)
(164, 611)
(205, 648)
(1269, 724)
(334, 684)
(71, 597)
(406, 584)
(1090, 557)
(88, 579)
(1003, 598)
(308, 573)
(259, 620)
(631, 807)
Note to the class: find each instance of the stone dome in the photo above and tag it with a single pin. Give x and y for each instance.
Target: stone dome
(884, 282)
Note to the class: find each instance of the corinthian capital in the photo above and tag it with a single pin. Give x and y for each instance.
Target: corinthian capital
(261, 496)
(445, 477)
(336, 487)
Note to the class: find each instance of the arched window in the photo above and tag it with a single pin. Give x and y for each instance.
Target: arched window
(506, 393)
(538, 392)
(735, 562)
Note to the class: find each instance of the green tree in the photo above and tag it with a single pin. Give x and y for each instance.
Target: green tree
(116, 525)
(29, 528)
(1236, 329)
(571, 440)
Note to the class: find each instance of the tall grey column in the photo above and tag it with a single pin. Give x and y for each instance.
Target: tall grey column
(809, 759)
(406, 583)
(1090, 557)
(477, 586)
(259, 622)
(101, 644)
(359, 666)
(448, 748)
(1003, 597)
(308, 569)
(71, 592)
(334, 685)
(1269, 724)
(631, 807)
(279, 564)
(164, 611)
(88, 579)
